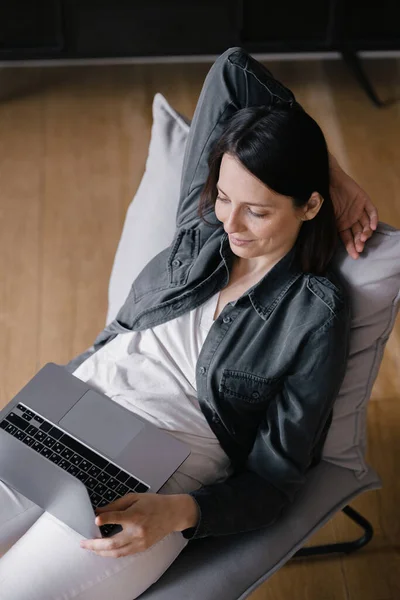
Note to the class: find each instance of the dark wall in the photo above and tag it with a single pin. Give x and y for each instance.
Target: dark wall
(120, 28)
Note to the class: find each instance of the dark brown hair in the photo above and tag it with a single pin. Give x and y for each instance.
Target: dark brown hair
(285, 149)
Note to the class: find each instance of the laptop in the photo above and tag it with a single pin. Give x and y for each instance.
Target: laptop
(69, 449)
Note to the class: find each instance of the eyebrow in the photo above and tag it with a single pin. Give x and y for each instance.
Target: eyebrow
(250, 203)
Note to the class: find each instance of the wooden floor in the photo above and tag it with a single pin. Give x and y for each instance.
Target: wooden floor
(73, 146)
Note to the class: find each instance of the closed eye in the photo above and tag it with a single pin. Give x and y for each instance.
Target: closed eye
(225, 200)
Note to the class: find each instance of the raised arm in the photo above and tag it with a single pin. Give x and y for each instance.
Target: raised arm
(235, 80)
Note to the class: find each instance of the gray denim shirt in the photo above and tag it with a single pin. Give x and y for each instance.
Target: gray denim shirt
(273, 361)
(267, 374)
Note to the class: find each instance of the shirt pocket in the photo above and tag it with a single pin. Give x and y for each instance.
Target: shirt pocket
(248, 388)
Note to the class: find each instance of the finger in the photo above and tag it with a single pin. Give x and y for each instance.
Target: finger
(111, 517)
(364, 221)
(372, 212)
(119, 504)
(357, 230)
(348, 241)
(118, 552)
(106, 544)
(114, 552)
(366, 229)
(133, 546)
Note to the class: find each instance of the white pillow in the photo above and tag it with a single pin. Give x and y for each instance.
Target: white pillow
(150, 219)
(373, 280)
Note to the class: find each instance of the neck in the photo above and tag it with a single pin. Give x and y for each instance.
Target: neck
(256, 267)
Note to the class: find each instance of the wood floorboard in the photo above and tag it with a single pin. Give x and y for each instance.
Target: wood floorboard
(73, 148)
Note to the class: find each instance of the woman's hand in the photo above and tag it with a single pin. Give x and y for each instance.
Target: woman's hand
(356, 216)
(145, 518)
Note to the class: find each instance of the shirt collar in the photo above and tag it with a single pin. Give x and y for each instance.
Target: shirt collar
(267, 293)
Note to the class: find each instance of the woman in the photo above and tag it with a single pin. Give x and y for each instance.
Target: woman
(233, 339)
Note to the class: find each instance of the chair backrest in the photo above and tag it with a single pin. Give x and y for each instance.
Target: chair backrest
(373, 281)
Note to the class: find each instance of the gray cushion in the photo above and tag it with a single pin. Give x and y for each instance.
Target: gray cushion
(373, 280)
(231, 567)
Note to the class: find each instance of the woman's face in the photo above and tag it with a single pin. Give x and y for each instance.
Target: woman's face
(267, 222)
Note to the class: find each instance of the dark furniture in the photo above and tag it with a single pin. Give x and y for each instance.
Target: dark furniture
(76, 29)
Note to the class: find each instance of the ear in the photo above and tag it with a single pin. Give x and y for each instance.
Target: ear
(311, 209)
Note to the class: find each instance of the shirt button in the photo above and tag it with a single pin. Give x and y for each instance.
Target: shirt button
(226, 320)
(176, 262)
(202, 370)
(255, 395)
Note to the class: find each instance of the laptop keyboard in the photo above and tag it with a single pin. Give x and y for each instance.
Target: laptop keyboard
(104, 481)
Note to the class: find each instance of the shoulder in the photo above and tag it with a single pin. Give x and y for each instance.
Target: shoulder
(327, 289)
(328, 301)
(314, 305)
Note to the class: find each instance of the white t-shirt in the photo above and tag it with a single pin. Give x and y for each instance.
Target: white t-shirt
(153, 373)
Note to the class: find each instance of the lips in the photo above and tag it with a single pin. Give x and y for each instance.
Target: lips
(240, 241)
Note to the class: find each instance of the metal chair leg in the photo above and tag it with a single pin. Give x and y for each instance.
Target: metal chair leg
(342, 547)
(353, 61)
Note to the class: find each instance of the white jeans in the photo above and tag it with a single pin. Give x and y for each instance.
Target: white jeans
(41, 558)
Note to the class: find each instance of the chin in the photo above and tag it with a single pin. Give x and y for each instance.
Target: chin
(242, 252)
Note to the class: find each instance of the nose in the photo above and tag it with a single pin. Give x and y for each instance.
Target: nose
(232, 223)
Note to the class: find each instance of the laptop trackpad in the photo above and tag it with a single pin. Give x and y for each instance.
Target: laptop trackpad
(101, 423)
